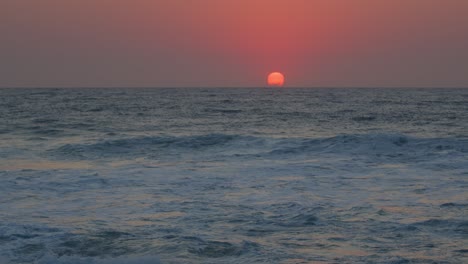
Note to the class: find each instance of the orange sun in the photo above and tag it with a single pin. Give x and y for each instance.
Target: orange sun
(276, 79)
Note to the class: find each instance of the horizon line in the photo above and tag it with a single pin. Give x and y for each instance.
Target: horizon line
(233, 87)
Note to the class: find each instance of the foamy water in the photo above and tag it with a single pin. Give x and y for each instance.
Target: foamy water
(233, 175)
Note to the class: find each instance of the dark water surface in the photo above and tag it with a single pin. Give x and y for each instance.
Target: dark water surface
(233, 175)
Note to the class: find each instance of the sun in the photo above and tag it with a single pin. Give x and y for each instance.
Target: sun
(275, 79)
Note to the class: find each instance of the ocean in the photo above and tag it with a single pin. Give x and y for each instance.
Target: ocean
(225, 175)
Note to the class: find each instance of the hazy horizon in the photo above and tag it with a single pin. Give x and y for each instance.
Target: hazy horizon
(211, 43)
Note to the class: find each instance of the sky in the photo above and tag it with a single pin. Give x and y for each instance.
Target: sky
(233, 43)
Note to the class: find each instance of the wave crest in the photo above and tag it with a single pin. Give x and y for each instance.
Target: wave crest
(145, 146)
(389, 145)
(379, 145)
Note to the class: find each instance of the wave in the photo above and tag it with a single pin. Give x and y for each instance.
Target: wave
(445, 224)
(364, 118)
(117, 260)
(454, 205)
(381, 145)
(218, 249)
(148, 146)
(377, 145)
(223, 111)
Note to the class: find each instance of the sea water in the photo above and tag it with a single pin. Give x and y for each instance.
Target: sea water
(248, 175)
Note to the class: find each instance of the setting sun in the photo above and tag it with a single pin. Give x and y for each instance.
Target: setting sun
(276, 79)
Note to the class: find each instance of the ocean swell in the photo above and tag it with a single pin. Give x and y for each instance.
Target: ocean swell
(389, 146)
(380, 145)
(150, 146)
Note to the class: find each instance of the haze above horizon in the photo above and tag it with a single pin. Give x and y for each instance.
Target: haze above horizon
(233, 43)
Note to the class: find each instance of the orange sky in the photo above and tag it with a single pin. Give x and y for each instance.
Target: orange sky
(233, 42)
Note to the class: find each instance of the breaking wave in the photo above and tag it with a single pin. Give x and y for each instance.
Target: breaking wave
(377, 145)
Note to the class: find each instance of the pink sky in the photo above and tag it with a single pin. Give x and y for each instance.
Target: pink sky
(160, 43)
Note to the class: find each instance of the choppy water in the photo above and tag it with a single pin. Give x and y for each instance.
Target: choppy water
(233, 175)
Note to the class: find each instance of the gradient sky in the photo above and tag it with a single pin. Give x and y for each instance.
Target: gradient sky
(161, 43)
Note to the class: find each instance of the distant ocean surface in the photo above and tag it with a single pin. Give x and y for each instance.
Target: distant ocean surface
(248, 175)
